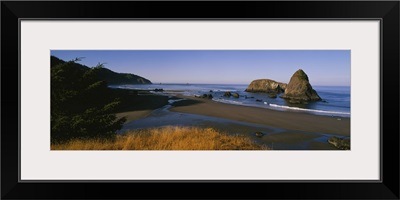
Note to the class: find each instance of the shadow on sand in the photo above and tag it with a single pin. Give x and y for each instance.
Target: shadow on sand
(186, 102)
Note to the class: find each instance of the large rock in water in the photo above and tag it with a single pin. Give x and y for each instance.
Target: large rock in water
(299, 88)
(267, 86)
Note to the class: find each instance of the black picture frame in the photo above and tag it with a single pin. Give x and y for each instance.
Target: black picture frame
(386, 11)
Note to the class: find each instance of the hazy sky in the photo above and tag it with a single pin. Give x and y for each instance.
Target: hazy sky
(323, 67)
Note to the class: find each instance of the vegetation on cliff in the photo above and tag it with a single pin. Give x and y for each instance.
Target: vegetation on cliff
(82, 106)
(112, 78)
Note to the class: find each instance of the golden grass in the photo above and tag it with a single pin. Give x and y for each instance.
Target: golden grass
(167, 138)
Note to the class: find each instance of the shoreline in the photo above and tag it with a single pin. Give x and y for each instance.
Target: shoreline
(283, 130)
(282, 119)
(299, 121)
(335, 101)
(279, 110)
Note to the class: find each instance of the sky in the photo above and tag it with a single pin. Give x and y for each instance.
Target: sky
(323, 67)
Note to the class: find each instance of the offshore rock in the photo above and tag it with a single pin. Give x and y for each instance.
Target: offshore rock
(227, 94)
(267, 86)
(299, 89)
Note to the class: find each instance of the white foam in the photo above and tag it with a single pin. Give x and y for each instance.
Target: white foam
(309, 110)
(224, 90)
(227, 101)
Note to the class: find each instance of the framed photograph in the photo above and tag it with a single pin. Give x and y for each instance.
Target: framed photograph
(247, 96)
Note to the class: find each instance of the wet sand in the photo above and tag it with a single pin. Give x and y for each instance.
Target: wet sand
(134, 115)
(281, 130)
(281, 119)
(137, 104)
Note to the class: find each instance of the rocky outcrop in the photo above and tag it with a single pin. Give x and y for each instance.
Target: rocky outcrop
(227, 94)
(207, 96)
(210, 96)
(267, 86)
(299, 89)
(259, 134)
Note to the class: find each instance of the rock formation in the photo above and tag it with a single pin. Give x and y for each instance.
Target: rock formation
(209, 96)
(267, 86)
(259, 134)
(299, 89)
(227, 94)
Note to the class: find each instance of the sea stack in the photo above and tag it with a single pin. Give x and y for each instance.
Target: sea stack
(267, 86)
(299, 89)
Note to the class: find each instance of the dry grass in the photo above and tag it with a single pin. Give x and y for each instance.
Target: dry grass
(168, 138)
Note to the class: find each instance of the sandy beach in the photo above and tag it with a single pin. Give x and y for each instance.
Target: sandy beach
(283, 130)
(282, 119)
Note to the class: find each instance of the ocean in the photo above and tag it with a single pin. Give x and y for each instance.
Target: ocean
(336, 99)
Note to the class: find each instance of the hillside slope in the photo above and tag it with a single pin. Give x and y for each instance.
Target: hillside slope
(112, 78)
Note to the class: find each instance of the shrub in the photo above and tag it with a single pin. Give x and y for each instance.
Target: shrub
(82, 106)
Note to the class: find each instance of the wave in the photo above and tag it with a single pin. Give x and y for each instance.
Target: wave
(227, 101)
(305, 109)
(226, 90)
(130, 87)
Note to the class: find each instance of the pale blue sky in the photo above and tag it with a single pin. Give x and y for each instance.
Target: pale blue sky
(323, 67)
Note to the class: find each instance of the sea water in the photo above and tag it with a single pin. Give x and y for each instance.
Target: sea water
(336, 99)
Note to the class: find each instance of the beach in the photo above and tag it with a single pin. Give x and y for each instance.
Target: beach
(282, 119)
(268, 107)
(283, 130)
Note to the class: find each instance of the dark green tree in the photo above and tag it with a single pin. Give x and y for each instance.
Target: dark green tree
(82, 106)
